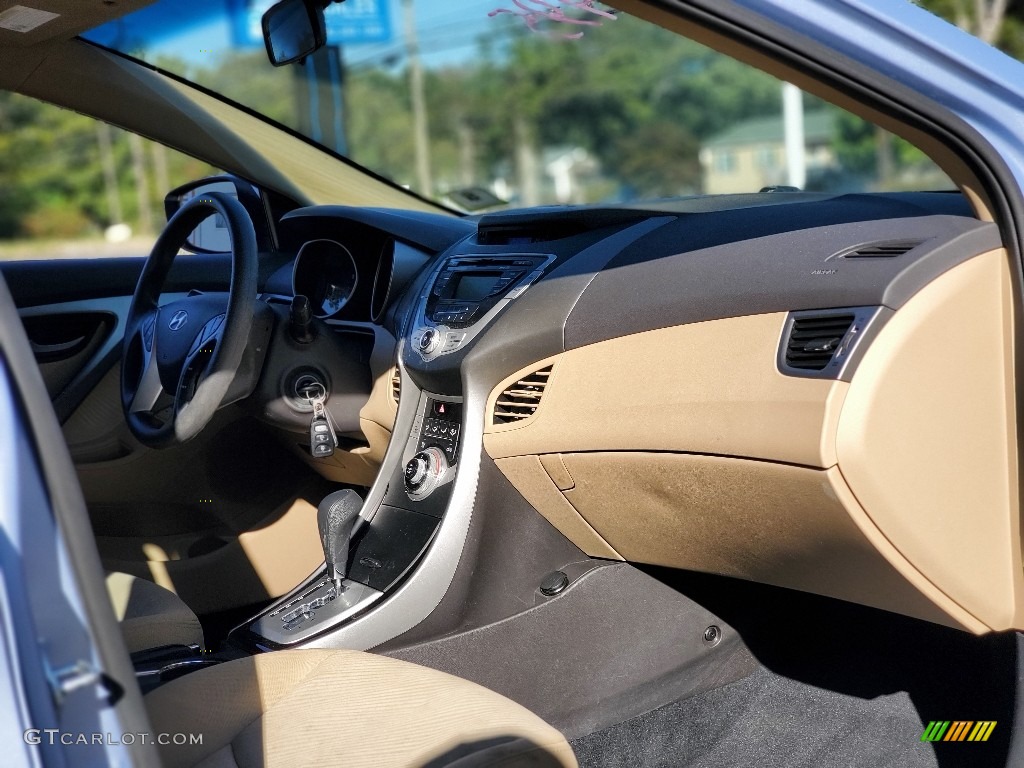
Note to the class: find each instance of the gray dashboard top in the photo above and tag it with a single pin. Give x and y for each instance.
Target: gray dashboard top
(659, 282)
(620, 270)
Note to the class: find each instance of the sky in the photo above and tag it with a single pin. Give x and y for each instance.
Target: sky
(448, 31)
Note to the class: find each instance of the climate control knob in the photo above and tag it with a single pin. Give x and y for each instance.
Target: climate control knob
(416, 472)
(424, 471)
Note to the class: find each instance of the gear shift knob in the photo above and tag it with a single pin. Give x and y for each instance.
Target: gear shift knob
(336, 517)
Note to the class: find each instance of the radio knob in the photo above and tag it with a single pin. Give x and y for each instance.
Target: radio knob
(429, 341)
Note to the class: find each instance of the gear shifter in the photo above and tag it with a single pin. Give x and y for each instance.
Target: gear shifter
(336, 517)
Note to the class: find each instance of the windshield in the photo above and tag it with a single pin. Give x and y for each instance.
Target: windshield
(525, 102)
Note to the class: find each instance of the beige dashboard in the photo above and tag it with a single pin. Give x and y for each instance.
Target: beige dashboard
(687, 447)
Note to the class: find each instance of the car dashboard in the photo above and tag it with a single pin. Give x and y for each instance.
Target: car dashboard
(803, 390)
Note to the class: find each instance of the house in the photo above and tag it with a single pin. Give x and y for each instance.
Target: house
(752, 153)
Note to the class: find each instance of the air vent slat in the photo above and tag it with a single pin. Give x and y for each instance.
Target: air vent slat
(841, 327)
(814, 340)
(521, 399)
(525, 394)
(396, 385)
(887, 250)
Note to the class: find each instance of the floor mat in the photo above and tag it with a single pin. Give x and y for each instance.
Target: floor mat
(770, 720)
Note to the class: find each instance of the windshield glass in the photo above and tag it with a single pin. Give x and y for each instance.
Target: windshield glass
(488, 104)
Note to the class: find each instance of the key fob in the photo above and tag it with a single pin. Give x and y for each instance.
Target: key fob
(321, 441)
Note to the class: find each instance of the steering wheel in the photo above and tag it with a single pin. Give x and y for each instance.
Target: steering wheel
(179, 359)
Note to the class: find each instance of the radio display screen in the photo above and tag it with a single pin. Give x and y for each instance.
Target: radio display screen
(474, 286)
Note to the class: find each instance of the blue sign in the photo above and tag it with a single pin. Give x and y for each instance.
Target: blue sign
(352, 22)
(358, 21)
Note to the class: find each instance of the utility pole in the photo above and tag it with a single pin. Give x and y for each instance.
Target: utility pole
(793, 128)
(114, 211)
(467, 153)
(421, 136)
(141, 182)
(160, 170)
(885, 163)
(527, 161)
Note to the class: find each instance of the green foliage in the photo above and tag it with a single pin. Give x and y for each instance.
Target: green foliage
(860, 147)
(52, 184)
(380, 125)
(641, 159)
(854, 144)
(44, 168)
(245, 77)
(638, 99)
(963, 13)
(622, 92)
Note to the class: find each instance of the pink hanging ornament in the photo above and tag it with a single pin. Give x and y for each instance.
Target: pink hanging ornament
(537, 12)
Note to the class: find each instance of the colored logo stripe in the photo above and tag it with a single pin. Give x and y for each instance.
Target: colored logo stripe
(958, 730)
(982, 730)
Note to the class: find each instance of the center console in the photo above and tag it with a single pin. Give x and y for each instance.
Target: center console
(411, 529)
(387, 544)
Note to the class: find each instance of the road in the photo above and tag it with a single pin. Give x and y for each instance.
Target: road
(75, 249)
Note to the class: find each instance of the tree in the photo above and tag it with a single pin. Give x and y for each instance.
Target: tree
(56, 171)
(988, 19)
(997, 22)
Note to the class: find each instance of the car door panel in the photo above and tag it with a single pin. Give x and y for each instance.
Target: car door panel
(57, 281)
(201, 518)
(58, 616)
(75, 344)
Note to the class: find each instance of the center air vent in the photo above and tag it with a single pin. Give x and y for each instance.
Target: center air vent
(396, 385)
(887, 250)
(813, 340)
(521, 399)
(534, 232)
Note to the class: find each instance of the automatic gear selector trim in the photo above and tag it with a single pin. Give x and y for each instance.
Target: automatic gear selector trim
(372, 551)
(307, 614)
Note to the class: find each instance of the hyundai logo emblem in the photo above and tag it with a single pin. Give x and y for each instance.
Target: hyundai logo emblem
(179, 319)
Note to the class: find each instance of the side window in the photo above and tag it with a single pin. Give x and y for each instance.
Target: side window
(72, 186)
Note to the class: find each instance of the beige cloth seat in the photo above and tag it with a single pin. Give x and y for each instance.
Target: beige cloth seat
(150, 615)
(324, 708)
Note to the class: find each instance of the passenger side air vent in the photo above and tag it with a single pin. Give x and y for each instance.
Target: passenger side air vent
(521, 399)
(882, 250)
(396, 385)
(814, 340)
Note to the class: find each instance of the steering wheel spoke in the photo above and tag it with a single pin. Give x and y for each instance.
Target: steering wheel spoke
(179, 361)
(207, 339)
(149, 389)
(200, 358)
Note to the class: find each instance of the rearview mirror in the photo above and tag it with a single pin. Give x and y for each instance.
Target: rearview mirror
(293, 29)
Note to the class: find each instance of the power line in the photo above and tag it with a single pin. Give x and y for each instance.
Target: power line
(434, 32)
(428, 47)
(463, 12)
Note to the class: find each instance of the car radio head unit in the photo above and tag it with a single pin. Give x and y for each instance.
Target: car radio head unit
(474, 286)
(462, 292)
(468, 286)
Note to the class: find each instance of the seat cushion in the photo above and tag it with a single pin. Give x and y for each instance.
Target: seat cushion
(339, 708)
(150, 615)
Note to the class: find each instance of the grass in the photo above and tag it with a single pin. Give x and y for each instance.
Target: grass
(23, 250)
